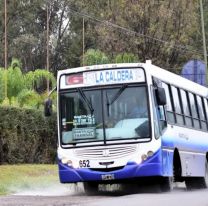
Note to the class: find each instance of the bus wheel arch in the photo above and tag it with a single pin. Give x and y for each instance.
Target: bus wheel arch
(206, 171)
(177, 167)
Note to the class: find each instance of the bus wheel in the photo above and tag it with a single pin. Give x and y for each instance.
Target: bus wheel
(91, 188)
(166, 184)
(197, 182)
(206, 174)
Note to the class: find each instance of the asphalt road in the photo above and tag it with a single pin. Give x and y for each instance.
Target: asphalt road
(178, 197)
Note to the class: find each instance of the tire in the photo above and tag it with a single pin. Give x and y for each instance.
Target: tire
(193, 183)
(166, 184)
(91, 188)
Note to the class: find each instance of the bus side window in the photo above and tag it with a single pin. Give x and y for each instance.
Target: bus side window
(161, 114)
(177, 106)
(206, 109)
(157, 125)
(169, 107)
(186, 110)
(194, 111)
(201, 112)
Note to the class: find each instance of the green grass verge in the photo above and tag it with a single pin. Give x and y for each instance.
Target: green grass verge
(14, 178)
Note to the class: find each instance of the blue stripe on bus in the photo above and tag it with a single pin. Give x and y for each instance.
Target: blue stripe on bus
(182, 144)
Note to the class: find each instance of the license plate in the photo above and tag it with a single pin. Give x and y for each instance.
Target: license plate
(108, 177)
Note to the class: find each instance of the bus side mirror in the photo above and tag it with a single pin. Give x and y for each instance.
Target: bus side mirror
(48, 107)
(160, 96)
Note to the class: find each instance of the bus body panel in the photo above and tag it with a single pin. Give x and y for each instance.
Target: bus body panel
(192, 146)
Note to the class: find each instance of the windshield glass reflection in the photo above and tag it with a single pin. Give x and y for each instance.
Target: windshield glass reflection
(122, 112)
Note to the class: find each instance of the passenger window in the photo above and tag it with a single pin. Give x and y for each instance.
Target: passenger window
(169, 108)
(193, 105)
(206, 108)
(167, 93)
(201, 112)
(194, 111)
(176, 100)
(186, 110)
(200, 108)
(185, 103)
(177, 106)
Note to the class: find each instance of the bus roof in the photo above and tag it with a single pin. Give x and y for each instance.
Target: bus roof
(151, 70)
(176, 80)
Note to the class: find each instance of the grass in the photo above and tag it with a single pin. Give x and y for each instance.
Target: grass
(14, 178)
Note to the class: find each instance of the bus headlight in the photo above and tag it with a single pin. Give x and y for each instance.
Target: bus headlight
(67, 161)
(150, 153)
(145, 156)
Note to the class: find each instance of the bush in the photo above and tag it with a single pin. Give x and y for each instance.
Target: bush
(26, 136)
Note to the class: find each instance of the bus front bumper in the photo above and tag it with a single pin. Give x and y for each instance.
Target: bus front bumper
(151, 167)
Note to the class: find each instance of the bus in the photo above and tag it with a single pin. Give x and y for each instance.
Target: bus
(131, 121)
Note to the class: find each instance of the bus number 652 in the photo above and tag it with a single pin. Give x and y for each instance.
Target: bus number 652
(84, 163)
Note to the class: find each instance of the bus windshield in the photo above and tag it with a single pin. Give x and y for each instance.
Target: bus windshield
(107, 114)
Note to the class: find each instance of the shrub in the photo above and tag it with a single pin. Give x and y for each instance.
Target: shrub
(26, 136)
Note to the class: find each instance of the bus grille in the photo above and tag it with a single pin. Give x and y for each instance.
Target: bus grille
(106, 152)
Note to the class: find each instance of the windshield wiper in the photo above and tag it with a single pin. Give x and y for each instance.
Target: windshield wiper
(117, 95)
(86, 100)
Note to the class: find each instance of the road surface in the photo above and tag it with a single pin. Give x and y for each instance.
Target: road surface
(62, 197)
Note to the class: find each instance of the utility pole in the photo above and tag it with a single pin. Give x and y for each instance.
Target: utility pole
(5, 46)
(203, 35)
(83, 40)
(47, 43)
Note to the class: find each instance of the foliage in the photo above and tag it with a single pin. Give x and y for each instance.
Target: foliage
(29, 98)
(24, 89)
(126, 58)
(148, 29)
(36, 79)
(15, 81)
(2, 84)
(26, 136)
(92, 57)
(168, 32)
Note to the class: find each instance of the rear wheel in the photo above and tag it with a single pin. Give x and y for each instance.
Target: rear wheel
(91, 188)
(206, 174)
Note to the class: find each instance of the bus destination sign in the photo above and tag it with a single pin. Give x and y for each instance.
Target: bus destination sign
(114, 76)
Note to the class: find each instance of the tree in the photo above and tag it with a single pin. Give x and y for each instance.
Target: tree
(168, 32)
(95, 57)
(153, 29)
(24, 89)
(27, 32)
(126, 58)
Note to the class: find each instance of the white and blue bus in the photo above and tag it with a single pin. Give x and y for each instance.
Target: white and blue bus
(122, 122)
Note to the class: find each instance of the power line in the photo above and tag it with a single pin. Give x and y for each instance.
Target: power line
(131, 32)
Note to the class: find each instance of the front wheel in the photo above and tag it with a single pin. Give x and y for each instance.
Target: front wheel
(91, 188)
(166, 184)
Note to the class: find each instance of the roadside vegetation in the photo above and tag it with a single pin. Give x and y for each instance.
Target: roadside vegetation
(17, 178)
(23, 127)
(167, 32)
(20, 89)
